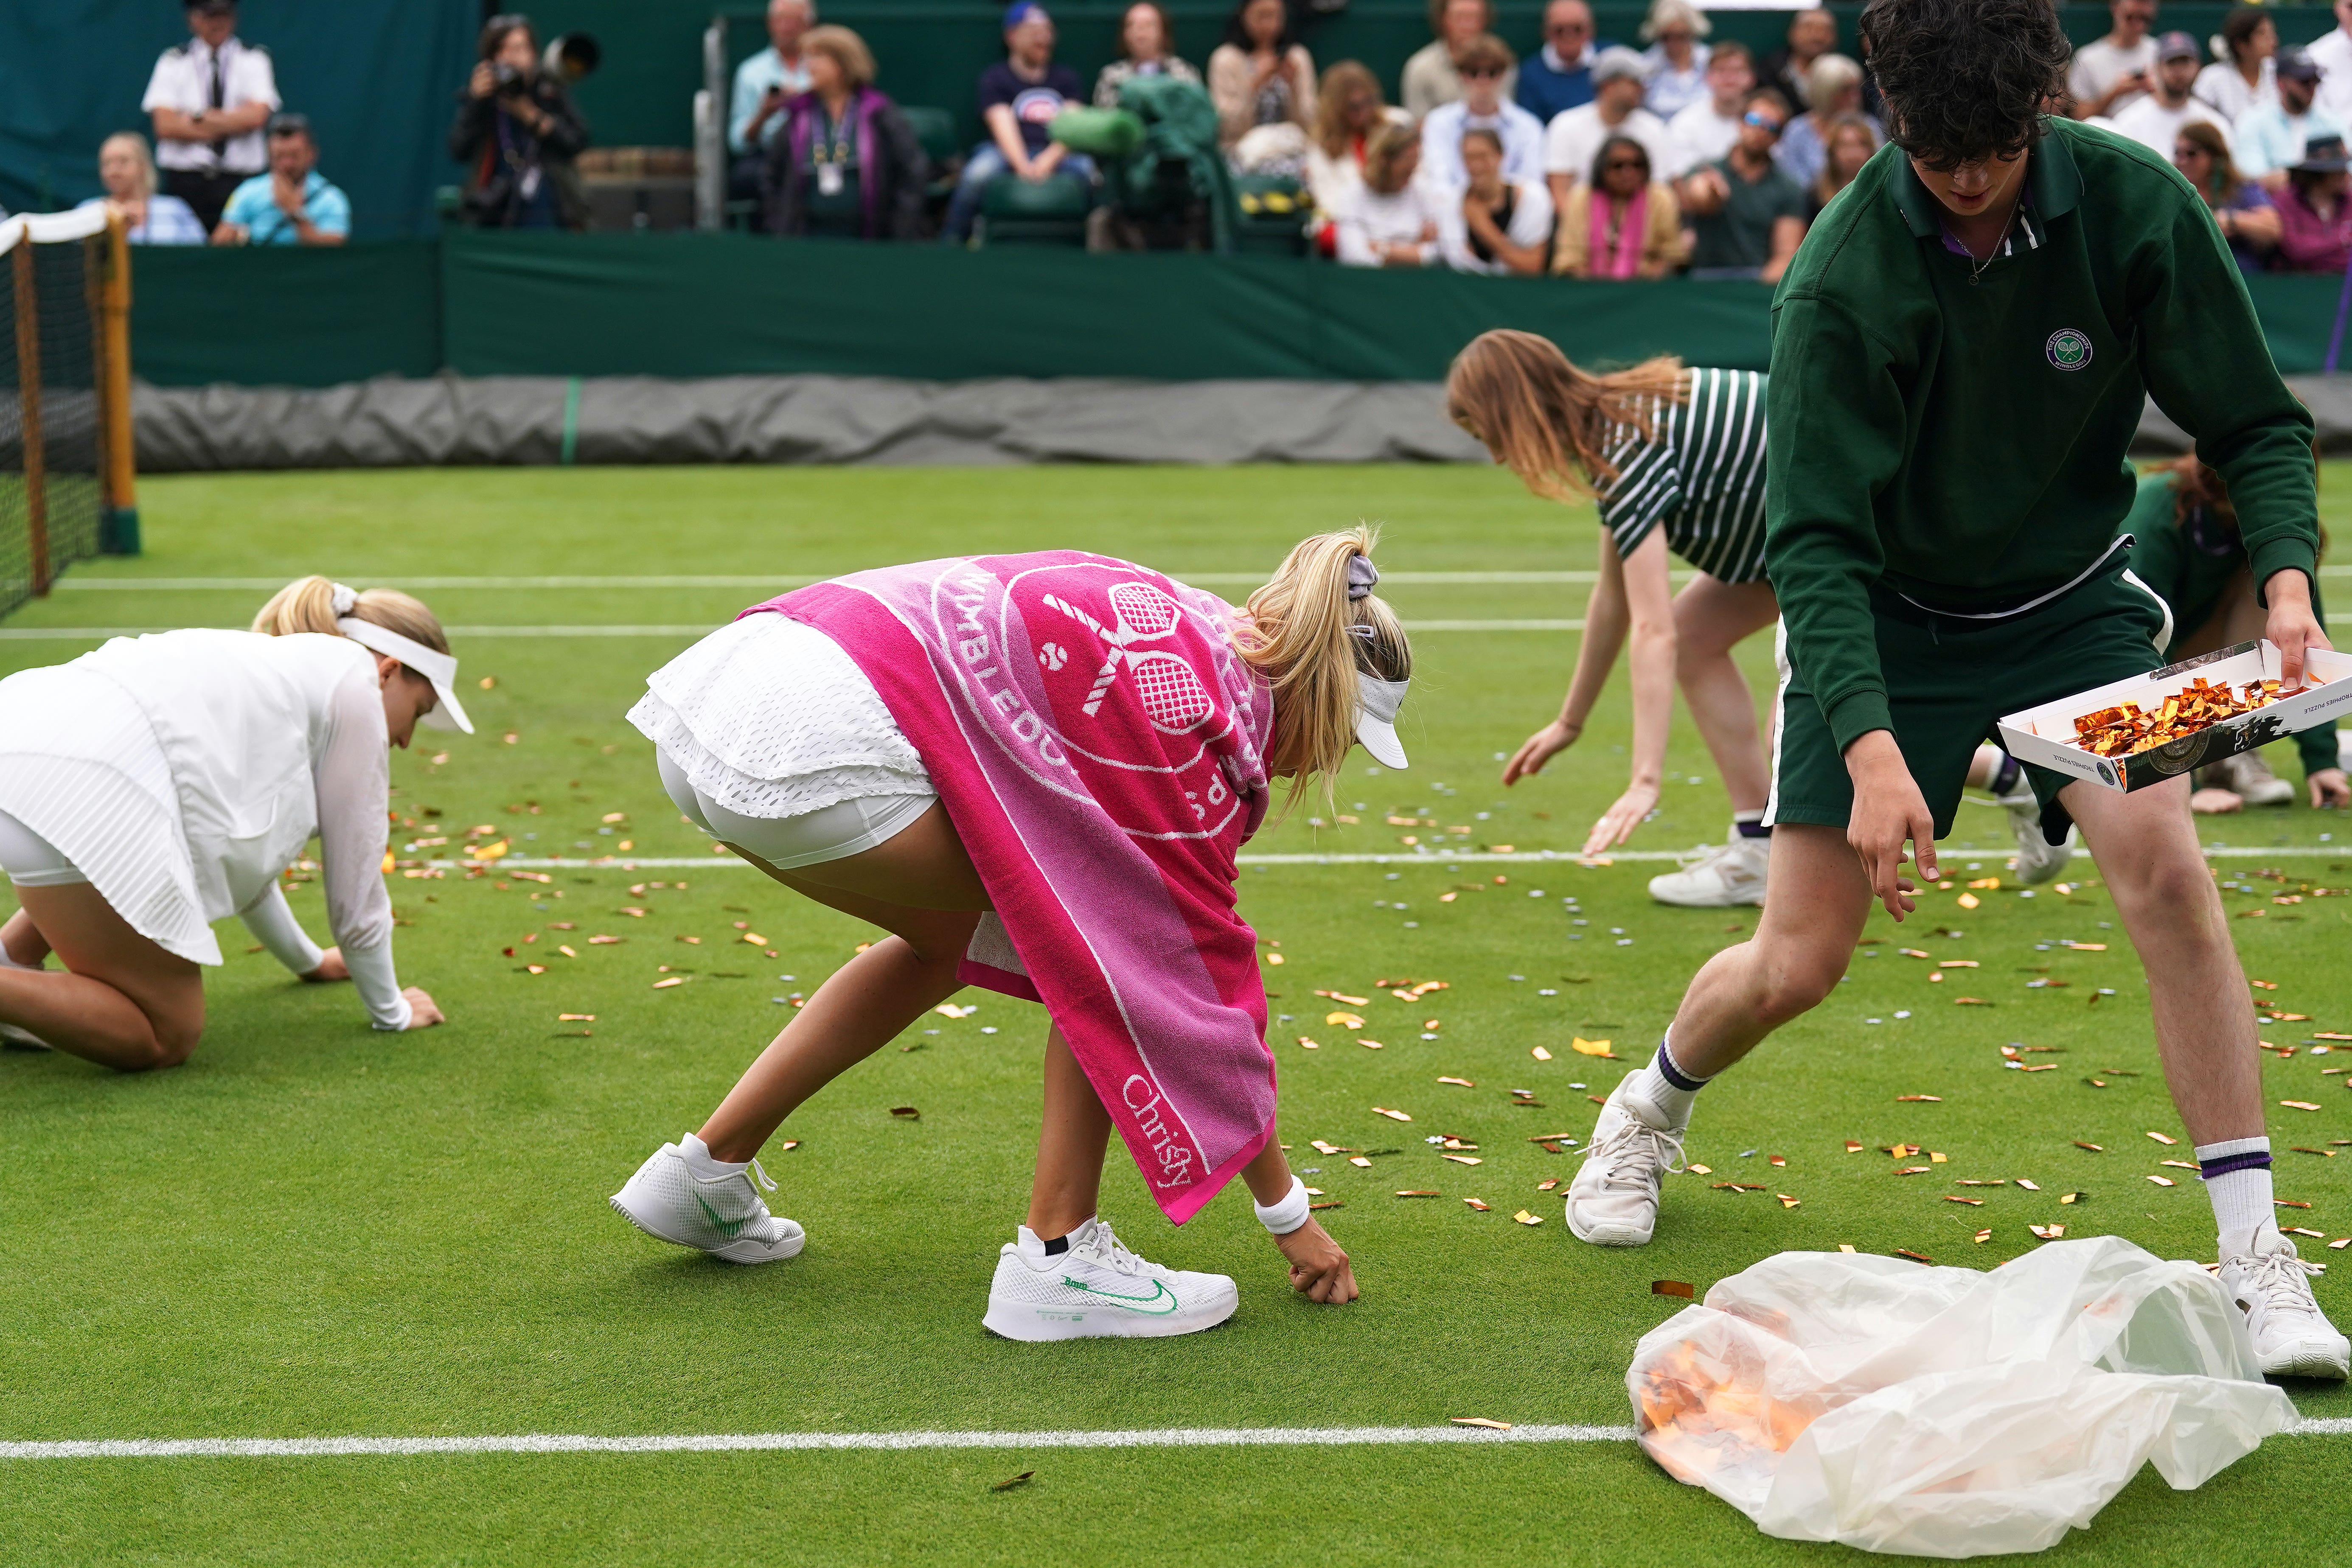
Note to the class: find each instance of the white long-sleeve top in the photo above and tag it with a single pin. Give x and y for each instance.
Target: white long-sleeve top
(182, 771)
(1393, 217)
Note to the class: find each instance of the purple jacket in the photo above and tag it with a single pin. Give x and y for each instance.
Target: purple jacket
(891, 168)
(2307, 242)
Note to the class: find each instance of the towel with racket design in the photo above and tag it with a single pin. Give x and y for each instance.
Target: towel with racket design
(1101, 748)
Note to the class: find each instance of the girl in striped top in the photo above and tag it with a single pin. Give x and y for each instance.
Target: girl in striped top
(1674, 459)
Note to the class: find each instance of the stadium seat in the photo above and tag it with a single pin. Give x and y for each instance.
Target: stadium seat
(1035, 212)
(1273, 215)
(935, 129)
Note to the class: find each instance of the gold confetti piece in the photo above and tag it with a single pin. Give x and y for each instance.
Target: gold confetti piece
(2093, 1148)
(1524, 1217)
(1970, 1002)
(754, 938)
(2068, 1197)
(1458, 1082)
(2299, 1104)
(2029, 1186)
(2047, 1232)
(1983, 882)
(2086, 946)
(1344, 1020)
(1936, 1159)
(1333, 1204)
(1343, 996)
(542, 969)
(575, 1017)
(1447, 898)
(1914, 952)
(1973, 1202)
(1550, 1138)
(1310, 1045)
(2288, 1203)
(1983, 1235)
(1900, 1151)
(2340, 1243)
(2330, 1035)
(1320, 1147)
(1852, 1147)
(1456, 1143)
(1914, 1256)
(2178, 1164)
(1698, 1170)
(565, 948)
(1462, 1159)
(2305, 1230)
(1672, 1287)
(1541, 1054)
(908, 1111)
(787, 1143)
(606, 941)
(1937, 978)
(1009, 1482)
(1776, 1159)
(1786, 1201)
(1274, 958)
(2162, 1181)
(1845, 1246)
(2162, 1139)
(1392, 1115)
(2323, 1153)
(1967, 900)
(697, 941)
(1371, 1045)
(1914, 1169)
(1477, 1203)
(1737, 1186)
(1958, 963)
(1359, 1159)
(1585, 1047)
(1416, 1193)
(1974, 1182)
(1919, 1099)
(1480, 1421)
(1547, 1183)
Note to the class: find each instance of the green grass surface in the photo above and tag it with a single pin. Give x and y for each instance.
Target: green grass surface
(316, 1230)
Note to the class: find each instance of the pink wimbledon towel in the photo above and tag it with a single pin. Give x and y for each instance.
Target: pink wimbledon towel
(1101, 750)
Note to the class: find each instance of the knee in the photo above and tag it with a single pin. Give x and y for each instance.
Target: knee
(2177, 883)
(1795, 983)
(174, 1041)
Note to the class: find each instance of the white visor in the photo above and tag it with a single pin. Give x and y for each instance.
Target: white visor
(439, 668)
(1376, 702)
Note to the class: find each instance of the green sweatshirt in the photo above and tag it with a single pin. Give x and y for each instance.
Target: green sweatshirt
(1963, 443)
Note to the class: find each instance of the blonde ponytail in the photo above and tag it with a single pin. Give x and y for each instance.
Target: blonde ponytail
(1301, 632)
(307, 604)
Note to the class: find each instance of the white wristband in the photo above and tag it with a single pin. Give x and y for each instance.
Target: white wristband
(1282, 1218)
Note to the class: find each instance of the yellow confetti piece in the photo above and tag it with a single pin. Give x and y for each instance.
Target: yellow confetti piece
(2161, 1181)
(1524, 1217)
(1310, 1045)
(1462, 1159)
(2162, 1139)
(754, 938)
(673, 980)
(1984, 1236)
(1458, 1082)
(1968, 902)
(1392, 1115)
(1480, 1421)
(2299, 1104)
(575, 1017)
(1274, 958)
(1585, 1047)
(1344, 1020)
(1541, 1054)
(2047, 1232)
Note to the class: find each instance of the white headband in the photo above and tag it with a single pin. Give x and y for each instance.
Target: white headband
(438, 668)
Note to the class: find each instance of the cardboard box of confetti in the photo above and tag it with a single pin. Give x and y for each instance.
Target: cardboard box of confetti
(2129, 734)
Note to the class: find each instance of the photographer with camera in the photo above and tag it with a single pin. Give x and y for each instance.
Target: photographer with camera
(517, 130)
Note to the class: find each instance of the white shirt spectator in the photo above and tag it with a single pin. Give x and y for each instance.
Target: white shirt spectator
(1402, 217)
(2267, 139)
(193, 76)
(1335, 182)
(1531, 220)
(753, 77)
(1671, 91)
(1699, 135)
(1441, 141)
(2098, 65)
(2156, 128)
(2332, 53)
(1575, 135)
(2220, 86)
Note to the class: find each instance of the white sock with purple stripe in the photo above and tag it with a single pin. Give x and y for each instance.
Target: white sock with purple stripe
(2238, 1180)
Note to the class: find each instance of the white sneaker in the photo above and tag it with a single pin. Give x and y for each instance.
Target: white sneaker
(1099, 1290)
(2293, 1338)
(723, 1216)
(2037, 859)
(2249, 777)
(1614, 1200)
(12, 1038)
(1720, 878)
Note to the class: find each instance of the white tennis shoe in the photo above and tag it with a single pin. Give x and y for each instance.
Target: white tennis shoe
(2037, 859)
(16, 1039)
(1614, 1200)
(1722, 877)
(1099, 1290)
(723, 1216)
(2293, 1338)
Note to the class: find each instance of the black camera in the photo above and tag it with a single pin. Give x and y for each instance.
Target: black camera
(508, 78)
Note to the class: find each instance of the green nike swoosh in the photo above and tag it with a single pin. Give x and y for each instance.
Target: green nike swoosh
(1160, 1292)
(726, 1226)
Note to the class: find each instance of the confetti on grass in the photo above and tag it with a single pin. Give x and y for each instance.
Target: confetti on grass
(1480, 1421)
(1672, 1287)
(1009, 1482)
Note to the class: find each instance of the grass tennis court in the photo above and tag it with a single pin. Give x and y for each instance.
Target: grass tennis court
(315, 1231)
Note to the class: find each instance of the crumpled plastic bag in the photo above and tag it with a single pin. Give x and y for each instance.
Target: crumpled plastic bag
(1945, 1412)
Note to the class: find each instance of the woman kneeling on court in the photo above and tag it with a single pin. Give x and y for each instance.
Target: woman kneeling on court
(162, 783)
(1036, 772)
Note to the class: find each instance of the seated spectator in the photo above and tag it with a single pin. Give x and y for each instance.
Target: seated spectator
(292, 204)
(1147, 47)
(847, 164)
(517, 130)
(2314, 219)
(1853, 141)
(1623, 224)
(1430, 75)
(1396, 219)
(1348, 110)
(2269, 138)
(763, 85)
(1019, 96)
(1677, 59)
(1263, 80)
(2241, 208)
(1500, 225)
(2156, 117)
(2245, 74)
(129, 176)
(1482, 107)
(1705, 130)
(1835, 90)
(1748, 216)
(1789, 69)
(1573, 140)
(2108, 73)
(1560, 76)
(209, 100)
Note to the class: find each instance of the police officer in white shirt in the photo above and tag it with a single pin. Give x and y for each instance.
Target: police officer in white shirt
(209, 99)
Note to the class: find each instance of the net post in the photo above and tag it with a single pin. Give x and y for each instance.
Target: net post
(117, 526)
(29, 392)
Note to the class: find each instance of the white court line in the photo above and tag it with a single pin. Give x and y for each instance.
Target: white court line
(99, 634)
(1200, 579)
(1436, 858)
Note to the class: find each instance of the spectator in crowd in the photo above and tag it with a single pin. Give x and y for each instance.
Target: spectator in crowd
(2314, 219)
(1560, 76)
(1348, 110)
(1812, 34)
(129, 176)
(1833, 87)
(2244, 76)
(1622, 223)
(292, 204)
(2110, 72)
(763, 85)
(2154, 119)
(2241, 208)
(2269, 138)
(1430, 75)
(1573, 140)
(517, 130)
(1503, 224)
(1396, 219)
(847, 163)
(2332, 52)
(1677, 59)
(1705, 130)
(1019, 96)
(1854, 140)
(1748, 215)
(1483, 63)
(1263, 80)
(1147, 47)
(209, 100)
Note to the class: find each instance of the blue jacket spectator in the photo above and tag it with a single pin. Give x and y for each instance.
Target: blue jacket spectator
(1019, 97)
(1560, 77)
(129, 176)
(291, 204)
(1677, 59)
(763, 85)
(846, 164)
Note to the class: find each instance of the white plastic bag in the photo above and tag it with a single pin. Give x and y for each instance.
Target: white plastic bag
(1944, 1412)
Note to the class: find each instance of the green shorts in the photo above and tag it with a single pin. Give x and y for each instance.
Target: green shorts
(1949, 682)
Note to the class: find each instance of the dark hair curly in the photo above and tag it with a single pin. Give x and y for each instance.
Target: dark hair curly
(1964, 79)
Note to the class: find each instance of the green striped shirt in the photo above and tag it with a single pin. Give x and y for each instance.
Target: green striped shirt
(1701, 474)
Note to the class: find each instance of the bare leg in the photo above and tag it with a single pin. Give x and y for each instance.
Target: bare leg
(2148, 852)
(1070, 1146)
(23, 940)
(1711, 616)
(120, 1001)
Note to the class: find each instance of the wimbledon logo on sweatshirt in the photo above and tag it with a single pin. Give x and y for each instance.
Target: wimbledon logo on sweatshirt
(2068, 348)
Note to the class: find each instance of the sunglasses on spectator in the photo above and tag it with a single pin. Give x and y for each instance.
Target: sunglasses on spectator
(1761, 122)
